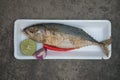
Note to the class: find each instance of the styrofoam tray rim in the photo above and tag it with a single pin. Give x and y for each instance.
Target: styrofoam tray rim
(47, 20)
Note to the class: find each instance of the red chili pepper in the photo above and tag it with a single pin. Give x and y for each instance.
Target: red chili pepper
(56, 48)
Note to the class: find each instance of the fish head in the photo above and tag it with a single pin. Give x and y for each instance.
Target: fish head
(35, 33)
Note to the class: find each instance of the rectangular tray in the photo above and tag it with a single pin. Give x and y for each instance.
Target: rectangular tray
(98, 29)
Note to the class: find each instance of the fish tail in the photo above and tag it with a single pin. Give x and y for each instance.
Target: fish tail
(105, 44)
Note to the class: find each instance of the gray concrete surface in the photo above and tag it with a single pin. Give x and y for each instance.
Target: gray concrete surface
(12, 69)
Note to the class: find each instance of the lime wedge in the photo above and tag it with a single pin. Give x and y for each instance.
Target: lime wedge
(28, 47)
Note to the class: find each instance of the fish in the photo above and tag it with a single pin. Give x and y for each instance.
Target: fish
(63, 36)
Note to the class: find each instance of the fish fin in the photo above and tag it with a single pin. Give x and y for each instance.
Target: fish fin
(105, 44)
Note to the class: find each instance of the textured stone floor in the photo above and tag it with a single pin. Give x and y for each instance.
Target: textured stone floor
(12, 69)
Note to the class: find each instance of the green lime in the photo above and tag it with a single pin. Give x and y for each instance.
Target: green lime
(28, 47)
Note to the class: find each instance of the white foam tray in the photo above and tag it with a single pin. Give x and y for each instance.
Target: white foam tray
(99, 29)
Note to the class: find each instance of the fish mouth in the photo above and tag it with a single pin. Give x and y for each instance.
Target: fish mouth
(28, 33)
(24, 29)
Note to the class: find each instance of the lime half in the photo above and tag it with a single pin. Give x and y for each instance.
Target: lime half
(28, 47)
